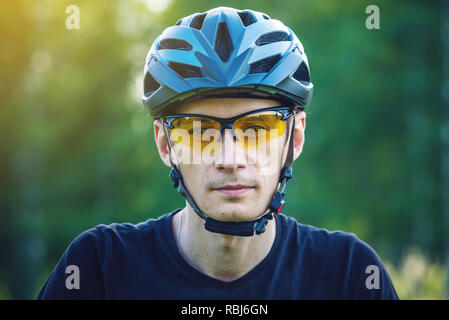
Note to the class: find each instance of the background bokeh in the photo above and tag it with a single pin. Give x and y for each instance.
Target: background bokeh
(77, 148)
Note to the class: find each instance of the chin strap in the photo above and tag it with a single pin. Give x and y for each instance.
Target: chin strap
(244, 228)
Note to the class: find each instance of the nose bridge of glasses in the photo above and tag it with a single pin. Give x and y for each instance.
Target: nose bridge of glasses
(226, 125)
(231, 153)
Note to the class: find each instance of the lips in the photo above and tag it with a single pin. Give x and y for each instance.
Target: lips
(234, 189)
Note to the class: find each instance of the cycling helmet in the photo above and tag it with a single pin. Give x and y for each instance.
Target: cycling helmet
(226, 52)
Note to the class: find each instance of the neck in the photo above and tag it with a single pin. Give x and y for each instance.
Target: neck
(220, 256)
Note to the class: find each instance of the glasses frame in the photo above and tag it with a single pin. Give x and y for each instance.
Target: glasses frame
(228, 123)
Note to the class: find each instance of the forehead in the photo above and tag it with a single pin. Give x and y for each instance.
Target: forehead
(223, 107)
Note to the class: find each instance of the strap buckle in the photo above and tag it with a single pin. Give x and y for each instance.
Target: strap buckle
(286, 173)
(175, 176)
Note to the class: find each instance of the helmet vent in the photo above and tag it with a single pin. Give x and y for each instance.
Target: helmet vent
(186, 70)
(266, 17)
(178, 22)
(247, 18)
(197, 21)
(273, 37)
(223, 42)
(174, 44)
(150, 84)
(264, 65)
(302, 73)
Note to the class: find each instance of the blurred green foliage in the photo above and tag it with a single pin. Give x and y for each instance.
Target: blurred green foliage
(78, 150)
(416, 277)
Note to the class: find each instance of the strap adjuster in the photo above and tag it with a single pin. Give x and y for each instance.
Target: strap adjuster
(277, 203)
(175, 175)
(286, 173)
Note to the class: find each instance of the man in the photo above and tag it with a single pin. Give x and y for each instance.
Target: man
(228, 90)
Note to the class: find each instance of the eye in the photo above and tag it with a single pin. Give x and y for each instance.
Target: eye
(197, 130)
(256, 127)
(256, 124)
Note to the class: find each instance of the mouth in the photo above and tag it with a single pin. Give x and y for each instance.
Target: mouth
(234, 189)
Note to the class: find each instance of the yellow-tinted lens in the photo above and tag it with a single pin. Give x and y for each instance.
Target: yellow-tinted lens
(259, 128)
(186, 129)
(250, 130)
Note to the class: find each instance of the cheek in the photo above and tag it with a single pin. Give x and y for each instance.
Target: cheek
(270, 182)
(270, 159)
(193, 177)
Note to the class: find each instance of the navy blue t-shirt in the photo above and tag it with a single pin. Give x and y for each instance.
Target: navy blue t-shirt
(142, 261)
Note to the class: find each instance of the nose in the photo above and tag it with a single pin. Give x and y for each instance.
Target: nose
(232, 156)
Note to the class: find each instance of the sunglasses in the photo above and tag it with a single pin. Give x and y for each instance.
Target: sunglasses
(249, 129)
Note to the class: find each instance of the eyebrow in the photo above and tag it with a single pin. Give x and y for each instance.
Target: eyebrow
(272, 108)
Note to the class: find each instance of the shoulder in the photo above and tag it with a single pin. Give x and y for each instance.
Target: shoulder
(315, 238)
(328, 252)
(99, 254)
(105, 237)
(341, 258)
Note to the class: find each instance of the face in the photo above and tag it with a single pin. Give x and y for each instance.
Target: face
(235, 185)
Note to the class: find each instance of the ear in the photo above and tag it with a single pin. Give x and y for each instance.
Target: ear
(161, 142)
(299, 136)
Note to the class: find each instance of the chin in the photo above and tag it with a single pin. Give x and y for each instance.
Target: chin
(233, 212)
